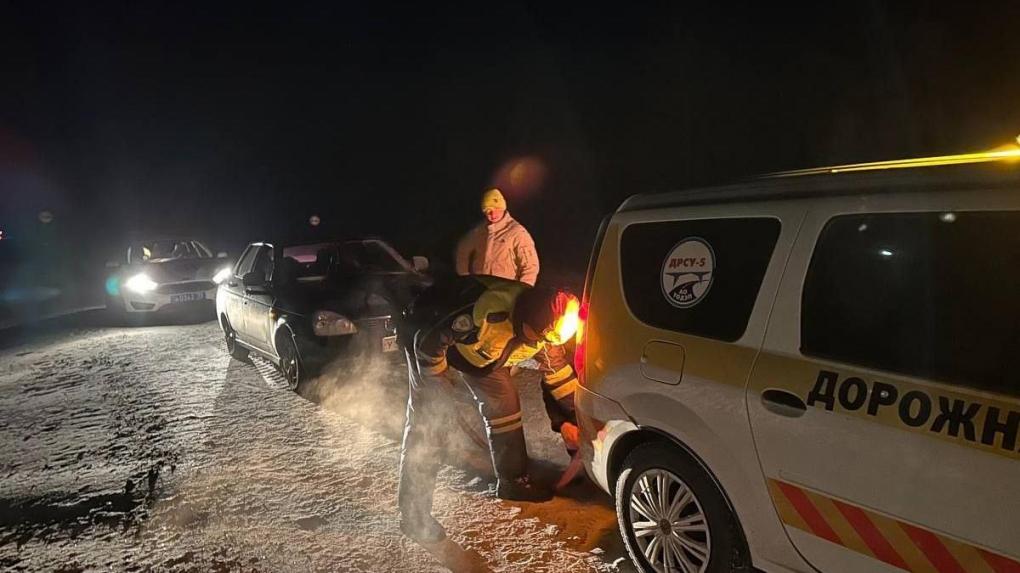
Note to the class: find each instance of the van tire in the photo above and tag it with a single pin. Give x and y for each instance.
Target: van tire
(727, 547)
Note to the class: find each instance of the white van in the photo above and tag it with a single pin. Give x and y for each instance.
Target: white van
(812, 371)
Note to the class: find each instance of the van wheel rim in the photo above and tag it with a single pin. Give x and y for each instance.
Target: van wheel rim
(668, 523)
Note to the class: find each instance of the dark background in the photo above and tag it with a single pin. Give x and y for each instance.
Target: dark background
(237, 122)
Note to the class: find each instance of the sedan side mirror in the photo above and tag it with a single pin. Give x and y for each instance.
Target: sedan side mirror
(254, 281)
(421, 264)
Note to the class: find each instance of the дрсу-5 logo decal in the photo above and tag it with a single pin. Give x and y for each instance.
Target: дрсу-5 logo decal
(687, 272)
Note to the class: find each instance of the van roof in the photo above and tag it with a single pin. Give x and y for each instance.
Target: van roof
(991, 170)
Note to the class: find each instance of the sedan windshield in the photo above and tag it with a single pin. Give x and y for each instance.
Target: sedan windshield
(322, 260)
(168, 249)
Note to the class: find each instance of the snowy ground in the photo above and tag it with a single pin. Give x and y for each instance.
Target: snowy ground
(148, 448)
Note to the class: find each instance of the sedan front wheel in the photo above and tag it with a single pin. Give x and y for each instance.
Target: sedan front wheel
(290, 362)
(236, 350)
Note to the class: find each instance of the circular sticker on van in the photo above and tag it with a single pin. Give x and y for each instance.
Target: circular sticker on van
(687, 272)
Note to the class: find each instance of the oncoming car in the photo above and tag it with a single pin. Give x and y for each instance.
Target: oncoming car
(163, 275)
(303, 305)
(813, 371)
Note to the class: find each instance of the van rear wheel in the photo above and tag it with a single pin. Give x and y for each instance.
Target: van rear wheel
(672, 516)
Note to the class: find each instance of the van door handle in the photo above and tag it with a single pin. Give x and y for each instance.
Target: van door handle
(783, 403)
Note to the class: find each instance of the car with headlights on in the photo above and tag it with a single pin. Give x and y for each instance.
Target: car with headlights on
(163, 275)
(303, 305)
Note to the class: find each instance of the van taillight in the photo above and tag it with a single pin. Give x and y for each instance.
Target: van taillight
(581, 342)
(589, 275)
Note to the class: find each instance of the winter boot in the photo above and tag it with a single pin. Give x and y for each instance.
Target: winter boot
(421, 527)
(521, 489)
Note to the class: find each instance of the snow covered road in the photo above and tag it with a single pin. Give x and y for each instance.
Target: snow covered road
(150, 449)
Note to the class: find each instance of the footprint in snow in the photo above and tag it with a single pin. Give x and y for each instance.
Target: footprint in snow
(311, 523)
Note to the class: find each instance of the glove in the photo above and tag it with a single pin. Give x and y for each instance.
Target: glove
(571, 435)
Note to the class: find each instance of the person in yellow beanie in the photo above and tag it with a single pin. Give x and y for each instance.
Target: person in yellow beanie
(499, 246)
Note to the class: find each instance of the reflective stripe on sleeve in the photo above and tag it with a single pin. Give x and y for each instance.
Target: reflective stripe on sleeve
(506, 419)
(433, 369)
(560, 375)
(505, 429)
(428, 359)
(566, 389)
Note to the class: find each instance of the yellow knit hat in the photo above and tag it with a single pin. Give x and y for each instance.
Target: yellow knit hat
(493, 199)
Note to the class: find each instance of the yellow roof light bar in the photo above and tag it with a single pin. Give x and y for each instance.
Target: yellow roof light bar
(1006, 153)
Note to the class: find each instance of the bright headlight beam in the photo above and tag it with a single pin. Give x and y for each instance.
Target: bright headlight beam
(140, 283)
(221, 275)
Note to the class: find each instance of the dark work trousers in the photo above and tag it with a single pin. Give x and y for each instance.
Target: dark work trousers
(431, 419)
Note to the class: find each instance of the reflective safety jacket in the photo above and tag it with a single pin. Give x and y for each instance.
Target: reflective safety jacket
(469, 325)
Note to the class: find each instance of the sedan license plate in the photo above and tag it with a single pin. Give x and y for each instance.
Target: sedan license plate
(389, 344)
(186, 297)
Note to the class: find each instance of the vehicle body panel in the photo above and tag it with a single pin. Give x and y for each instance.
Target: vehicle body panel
(277, 312)
(183, 283)
(230, 299)
(706, 395)
(706, 410)
(929, 479)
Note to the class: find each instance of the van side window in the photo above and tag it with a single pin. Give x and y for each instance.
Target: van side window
(697, 277)
(931, 295)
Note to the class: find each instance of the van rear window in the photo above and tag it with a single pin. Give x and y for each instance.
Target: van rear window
(697, 277)
(932, 295)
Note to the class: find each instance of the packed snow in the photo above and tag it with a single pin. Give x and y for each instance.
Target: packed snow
(149, 448)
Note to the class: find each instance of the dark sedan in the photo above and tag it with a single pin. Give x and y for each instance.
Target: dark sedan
(304, 305)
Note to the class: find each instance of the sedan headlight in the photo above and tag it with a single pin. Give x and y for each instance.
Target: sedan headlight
(141, 283)
(221, 275)
(329, 323)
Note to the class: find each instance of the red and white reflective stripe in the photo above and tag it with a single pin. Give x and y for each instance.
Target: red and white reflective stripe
(900, 544)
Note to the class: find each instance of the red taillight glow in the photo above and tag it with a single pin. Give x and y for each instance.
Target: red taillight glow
(581, 342)
(582, 329)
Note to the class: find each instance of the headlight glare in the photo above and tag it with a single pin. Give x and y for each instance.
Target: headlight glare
(329, 323)
(221, 275)
(140, 283)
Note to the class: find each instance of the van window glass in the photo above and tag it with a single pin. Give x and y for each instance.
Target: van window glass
(931, 295)
(698, 277)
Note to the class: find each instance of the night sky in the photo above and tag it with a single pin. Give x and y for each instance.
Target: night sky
(238, 122)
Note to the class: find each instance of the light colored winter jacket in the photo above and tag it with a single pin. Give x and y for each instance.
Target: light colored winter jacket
(503, 249)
